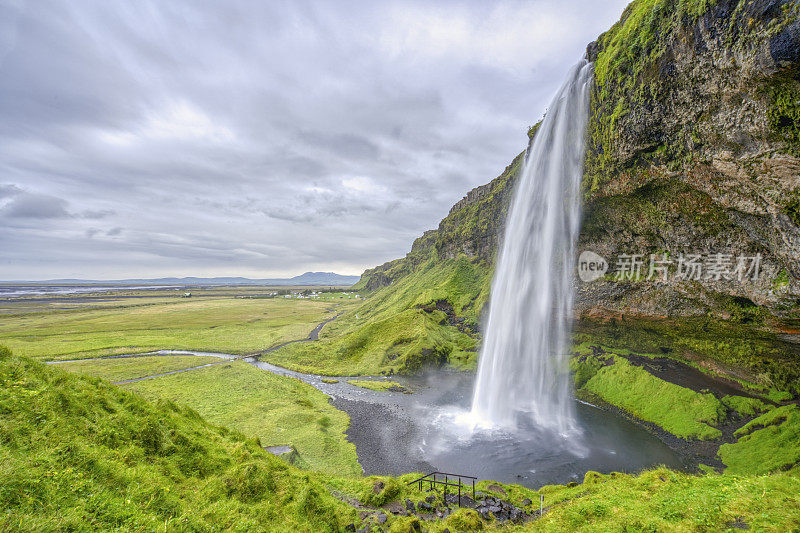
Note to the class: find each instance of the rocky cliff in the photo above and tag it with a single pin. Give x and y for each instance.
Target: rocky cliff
(693, 148)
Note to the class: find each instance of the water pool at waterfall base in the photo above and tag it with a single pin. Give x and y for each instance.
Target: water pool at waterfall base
(431, 431)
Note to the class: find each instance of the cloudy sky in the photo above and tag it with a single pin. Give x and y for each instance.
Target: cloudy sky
(143, 139)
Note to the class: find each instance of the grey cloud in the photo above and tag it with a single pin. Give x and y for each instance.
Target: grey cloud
(97, 214)
(345, 144)
(27, 205)
(9, 190)
(315, 136)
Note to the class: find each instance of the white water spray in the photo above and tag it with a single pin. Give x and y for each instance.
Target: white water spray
(523, 363)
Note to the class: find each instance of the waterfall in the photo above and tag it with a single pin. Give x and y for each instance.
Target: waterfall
(523, 368)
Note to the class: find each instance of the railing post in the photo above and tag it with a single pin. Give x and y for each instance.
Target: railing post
(459, 492)
(473, 490)
(445, 489)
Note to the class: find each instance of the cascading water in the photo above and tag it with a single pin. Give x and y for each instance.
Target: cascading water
(523, 362)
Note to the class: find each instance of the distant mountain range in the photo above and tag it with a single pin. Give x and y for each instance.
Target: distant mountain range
(308, 278)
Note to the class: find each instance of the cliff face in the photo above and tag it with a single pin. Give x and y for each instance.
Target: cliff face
(694, 138)
(693, 148)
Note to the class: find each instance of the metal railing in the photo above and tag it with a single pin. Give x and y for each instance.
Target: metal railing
(431, 478)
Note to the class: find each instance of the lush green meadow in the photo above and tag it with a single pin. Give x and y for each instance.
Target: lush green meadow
(229, 324)
(115, 369)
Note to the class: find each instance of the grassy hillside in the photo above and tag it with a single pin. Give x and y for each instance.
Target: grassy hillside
(429, 316)
(278, 410)
(80, 454)
(682, 412)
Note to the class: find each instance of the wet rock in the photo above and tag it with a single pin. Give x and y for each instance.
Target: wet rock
(378, 487)
(382, 518)
(785, 46)
(350, 527)
(431, 498)
(423, 505)
(526, 502)
(410, 506)
(466, 501)
(364, 529)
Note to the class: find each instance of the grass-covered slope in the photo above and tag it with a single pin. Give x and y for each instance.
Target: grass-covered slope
(78, 453)
(769, 443)
(429, 316)
(678, 410)
(664, 500)
(278, 410)
(746, 434)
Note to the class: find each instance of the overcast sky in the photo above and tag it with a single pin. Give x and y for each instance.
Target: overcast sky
(253, 138)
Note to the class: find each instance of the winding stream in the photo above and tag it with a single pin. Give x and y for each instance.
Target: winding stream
(396, 433)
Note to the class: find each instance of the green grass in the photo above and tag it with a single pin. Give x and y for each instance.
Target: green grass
(231, 325)
(390, 386)
(768, 443)
(744, 405)
(398, 328)
(676, 409)
(278, 410)
(80, 454)
(664, 500)
(136, 367)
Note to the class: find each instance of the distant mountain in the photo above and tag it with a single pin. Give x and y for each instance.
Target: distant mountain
(308, 278)
(324, 278)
